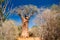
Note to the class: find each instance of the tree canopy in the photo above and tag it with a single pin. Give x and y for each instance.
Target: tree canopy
(26, 10)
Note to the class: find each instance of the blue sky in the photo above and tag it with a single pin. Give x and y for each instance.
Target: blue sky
(38, 3)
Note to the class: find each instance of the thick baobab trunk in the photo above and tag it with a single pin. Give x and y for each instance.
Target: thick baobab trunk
(25, 32)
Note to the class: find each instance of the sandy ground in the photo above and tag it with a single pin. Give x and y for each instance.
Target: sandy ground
(29, 38)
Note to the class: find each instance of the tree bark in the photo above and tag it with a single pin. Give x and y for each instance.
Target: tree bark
(25, 32)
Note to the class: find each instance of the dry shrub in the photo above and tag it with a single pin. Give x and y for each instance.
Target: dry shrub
(49, 25)
(8, 31)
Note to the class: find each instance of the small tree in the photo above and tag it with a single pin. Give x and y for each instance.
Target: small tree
(3, 13)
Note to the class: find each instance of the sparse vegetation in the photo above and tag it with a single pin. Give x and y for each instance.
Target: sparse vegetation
(47, 22)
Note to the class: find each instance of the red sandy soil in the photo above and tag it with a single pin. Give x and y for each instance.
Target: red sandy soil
(29, 38)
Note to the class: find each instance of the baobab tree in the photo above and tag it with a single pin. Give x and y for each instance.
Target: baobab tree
(26, 12)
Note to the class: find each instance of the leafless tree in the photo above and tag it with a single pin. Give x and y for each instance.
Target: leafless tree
(3, 13)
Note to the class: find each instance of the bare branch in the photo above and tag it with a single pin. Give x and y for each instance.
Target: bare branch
(5, 6)
(31, 14)
(25, 11)
(6, 13)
